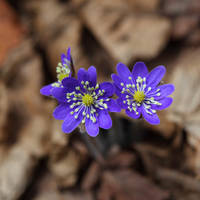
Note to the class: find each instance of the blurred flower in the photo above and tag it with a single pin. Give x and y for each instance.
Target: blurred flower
(64, 69)
(139, 92)
(84, 101)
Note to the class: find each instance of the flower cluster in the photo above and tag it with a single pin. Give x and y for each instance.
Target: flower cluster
(64, 69)
(84, 102)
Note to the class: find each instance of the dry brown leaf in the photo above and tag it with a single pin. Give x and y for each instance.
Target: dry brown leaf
(179, 7)
(122, 160)
(19, 163)
(184, 25)
(124, 35)
(171, 178)
(91, 177)
(144, 5)
(3, 108)
(194, 37)
(57, 28)
(15, 172)
(26, 128)
(185, 110)
(65, 169)
(59, 140)
(128, 185)
(70, 36)
(11, 31)
(46, 188)
(77, 195)
(45, 18)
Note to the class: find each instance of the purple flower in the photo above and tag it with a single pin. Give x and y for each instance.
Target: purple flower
(84, 101)
(64, 69)
(139, 92)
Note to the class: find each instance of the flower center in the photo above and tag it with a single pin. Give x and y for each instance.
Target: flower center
(63, 71)
(62, 76)
(139, 96)
(87, 100)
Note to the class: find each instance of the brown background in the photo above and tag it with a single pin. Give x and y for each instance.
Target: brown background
(142, 162)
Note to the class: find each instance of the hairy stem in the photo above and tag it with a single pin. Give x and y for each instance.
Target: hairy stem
(95, 153)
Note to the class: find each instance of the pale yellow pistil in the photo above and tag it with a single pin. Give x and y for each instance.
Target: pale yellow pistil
(63, 71)
(87, 100)
(61, 76)
(139, 96)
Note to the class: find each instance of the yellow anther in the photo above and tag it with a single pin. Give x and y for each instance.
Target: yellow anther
(139, 96)
(87, 100)
(76, 116)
